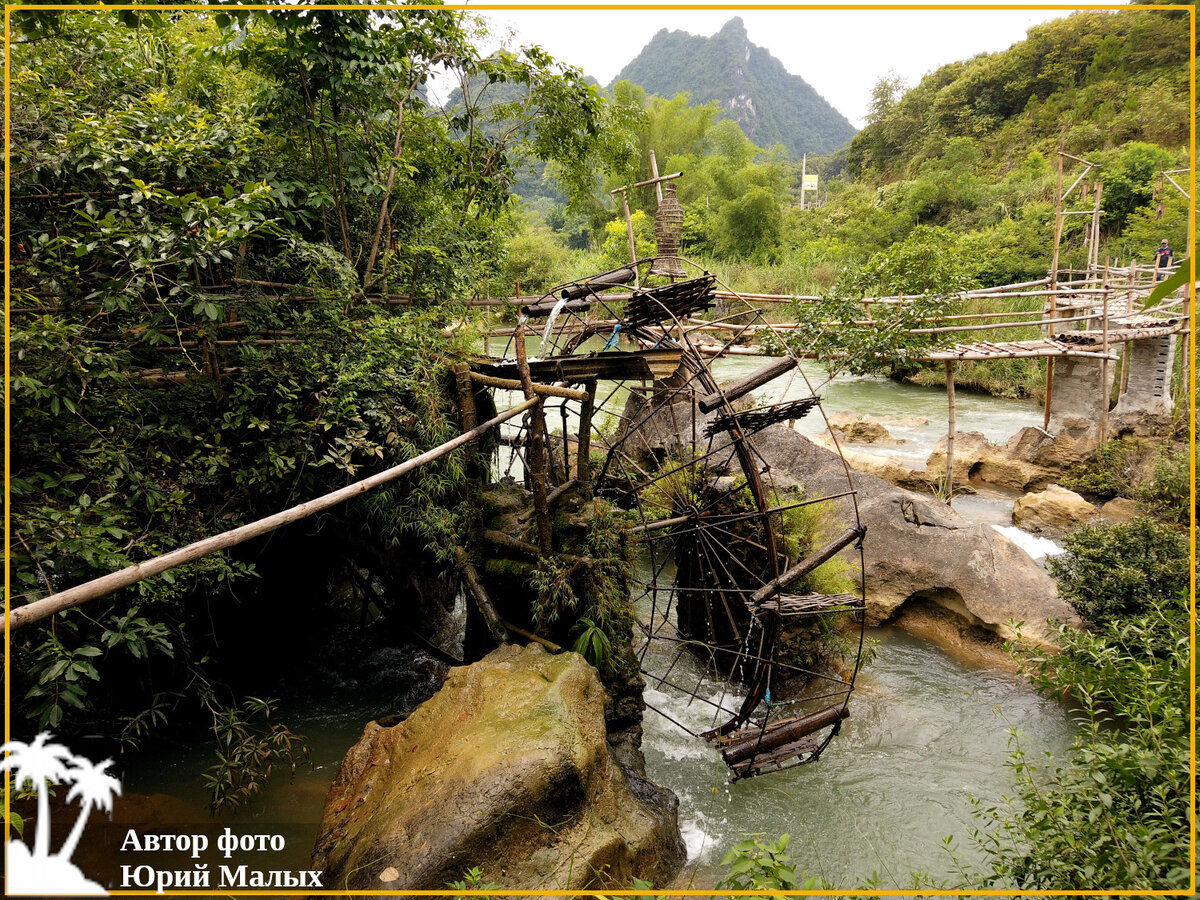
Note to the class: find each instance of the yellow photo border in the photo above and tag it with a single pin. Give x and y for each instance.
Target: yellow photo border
(9, 8)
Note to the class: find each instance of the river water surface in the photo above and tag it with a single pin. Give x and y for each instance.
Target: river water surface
(927, 731)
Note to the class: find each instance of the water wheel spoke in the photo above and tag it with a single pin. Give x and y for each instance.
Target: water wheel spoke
(703, 516)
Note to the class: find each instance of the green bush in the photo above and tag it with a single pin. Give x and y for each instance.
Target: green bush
(1116, 814)
(1118, 569)
(1117, 468)
(758, 865)
(1168, 491)
(533, 259)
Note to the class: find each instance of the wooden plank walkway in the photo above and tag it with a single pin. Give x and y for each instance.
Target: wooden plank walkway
(985, 350)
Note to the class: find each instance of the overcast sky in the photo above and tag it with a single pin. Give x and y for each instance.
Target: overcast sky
(841, 53)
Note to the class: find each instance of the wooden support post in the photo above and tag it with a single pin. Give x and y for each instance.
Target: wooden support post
(466, 403)
(1105, 388)
(654, 172)
(494, 623)
(1058, 230)
(1049, 393)
(629, 231)
(1095, 248)
(535, 459)
(583, 449)
(950, 432)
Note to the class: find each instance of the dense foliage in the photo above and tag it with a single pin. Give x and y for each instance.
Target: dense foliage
(1115, 814)
(1092, 80)
(1112, 571)
(172, 175)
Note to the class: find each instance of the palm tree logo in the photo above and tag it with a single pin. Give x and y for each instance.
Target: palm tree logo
(41, 763)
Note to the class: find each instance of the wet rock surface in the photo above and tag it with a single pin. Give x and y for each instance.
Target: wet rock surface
(1052, 511)
(508, 768)
(917, 549)
(856, 429)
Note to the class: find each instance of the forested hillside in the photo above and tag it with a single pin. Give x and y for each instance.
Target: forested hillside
(971, 149)
(750, 85)
(1092, 82)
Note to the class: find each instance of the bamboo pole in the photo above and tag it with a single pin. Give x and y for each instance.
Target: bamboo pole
(629, 232)
(535, 460)
(466, 402)
(106, 584)
(542, 390)
(1094, 253)
(1105, 389)
(950, 432)
(812, 561)
(530, 636)
(583, 461)
(1058, 228)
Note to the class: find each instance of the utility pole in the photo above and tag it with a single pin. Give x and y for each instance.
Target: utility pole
(803, 172)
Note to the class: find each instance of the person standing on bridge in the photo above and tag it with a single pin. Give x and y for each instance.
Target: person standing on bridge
(1162, 259)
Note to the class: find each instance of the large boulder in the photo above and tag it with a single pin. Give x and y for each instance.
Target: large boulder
(506, 768)
(918, 549)
(1054, 453)
(1054, 510)
(1121, 509)
(889, 468)
(978, 460)
(858, 429)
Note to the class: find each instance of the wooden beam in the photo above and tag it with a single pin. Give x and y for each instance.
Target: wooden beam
(786, 733)
(950, 431)
(494, 623)
(535, 459)
(806, 565)
(106, 584)
(542, 390)
(741, 388)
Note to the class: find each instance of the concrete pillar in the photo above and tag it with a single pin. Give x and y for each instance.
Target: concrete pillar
(1149, 389)
(1079, 402)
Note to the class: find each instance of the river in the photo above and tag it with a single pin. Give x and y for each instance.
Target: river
(927, 732)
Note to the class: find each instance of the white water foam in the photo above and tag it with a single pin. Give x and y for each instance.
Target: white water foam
(1037, 547)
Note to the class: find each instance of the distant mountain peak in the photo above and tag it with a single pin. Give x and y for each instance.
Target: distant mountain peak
(734, 27)
(752, 86)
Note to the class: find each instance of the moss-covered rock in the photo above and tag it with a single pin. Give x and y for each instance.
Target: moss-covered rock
(506, 768)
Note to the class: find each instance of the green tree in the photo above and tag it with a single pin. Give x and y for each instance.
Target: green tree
(750, 225)
(165, 169)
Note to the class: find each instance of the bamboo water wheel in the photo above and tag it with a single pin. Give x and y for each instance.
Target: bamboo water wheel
(721, 578)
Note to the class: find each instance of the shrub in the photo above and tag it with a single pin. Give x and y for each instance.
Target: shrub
(1168, 491)
(1118, 569)
(1116, 814)
(759, 865)
(1117, 468)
